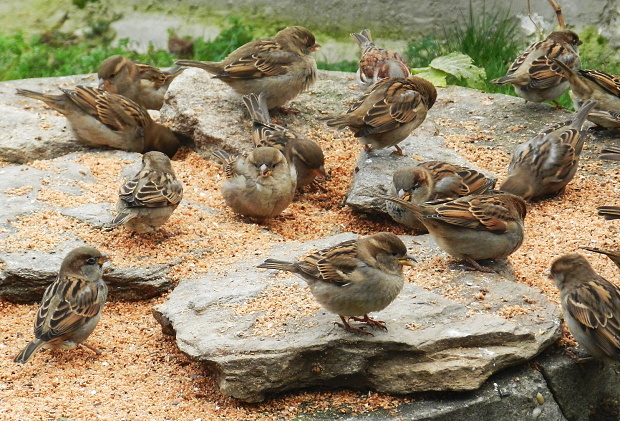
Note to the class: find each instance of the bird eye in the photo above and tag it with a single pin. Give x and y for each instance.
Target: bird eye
(112, 75)
(394, 253)
(91, 261)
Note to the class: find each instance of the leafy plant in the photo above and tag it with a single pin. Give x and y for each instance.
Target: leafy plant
(454, 68)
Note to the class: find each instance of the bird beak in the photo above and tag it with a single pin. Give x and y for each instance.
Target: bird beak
(315, 47)
(404, 195)
(407, 260)
(103, 259)
(264, 171)
(319, 171)
(101, 83)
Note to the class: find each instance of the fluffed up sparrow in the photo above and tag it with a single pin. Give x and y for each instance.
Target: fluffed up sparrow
(99, 118)
(71, 306)
(593, 85)
(591, 306)
(147, 200)
(146, 85)
(353, 278)
(260, 185)
(304, 154)
(609, 212)
(388, 112)
(545, 164)
(429, 181)
(377, 63)
(281, 67)
(530, 73)
(474, 227)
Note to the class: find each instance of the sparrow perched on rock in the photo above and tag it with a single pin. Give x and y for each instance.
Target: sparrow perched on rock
(353, 278)
(531, 75)
(378, 63)
(71, 306)
(388, 112)
(595, 85)
(100, 118)
(546, 163)
(609, 212)
(474, 227)
(614, 255)
(281, 67)
(591, 306)
(304, 154)
(148, 199)
(146, 85)
(429, 181)
(260, 185)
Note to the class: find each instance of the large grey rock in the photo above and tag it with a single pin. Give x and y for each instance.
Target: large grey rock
(433, 343)
(519, 393)
(585, 392)
(27, 270)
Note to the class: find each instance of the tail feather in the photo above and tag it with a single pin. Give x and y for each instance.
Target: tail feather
(582, 114)
(47, 98)
(363, 39)
(257, 107)
(611, 153)
(26, 354)
(277, 265)
(609, 212)
(614, 256)
(211, 67)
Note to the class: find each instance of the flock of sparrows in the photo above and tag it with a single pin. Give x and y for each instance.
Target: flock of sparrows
(456, 205)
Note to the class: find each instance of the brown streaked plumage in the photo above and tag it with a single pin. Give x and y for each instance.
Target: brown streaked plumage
(378, 63)
(353, 278)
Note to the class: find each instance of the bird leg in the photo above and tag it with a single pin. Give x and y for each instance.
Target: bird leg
(286, 111)
(398, 151)
(368, 148)
(477, 266)
(92, 348)
(346, 326)
(370, 322)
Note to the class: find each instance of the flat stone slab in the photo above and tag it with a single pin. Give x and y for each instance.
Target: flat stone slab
(28, 261)
(261, 332)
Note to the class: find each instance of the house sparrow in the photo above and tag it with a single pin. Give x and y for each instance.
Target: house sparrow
(593, 85)
(474, 227)
(609, 212)
(353, 278)
(377, 63)
(143, 84)
(530, 74)
(388, 112)
(260, 185)
(614, 256)
(432, 180)
(100, 118)
(304, 154)
(182, 47)
(148, 199)
(281, 67)
(71, 306)
(546, 163)
(591, 306)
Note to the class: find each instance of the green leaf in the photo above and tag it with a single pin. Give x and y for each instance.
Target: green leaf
(436, 77)
(460, 66)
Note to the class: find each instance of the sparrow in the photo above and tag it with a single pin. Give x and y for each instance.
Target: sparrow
(258, 186)
(147, 200)
(530, 73)
(388, 112)
(180, 46)
(593, 85)
(302, 153)
(546, 163)
(474, 227)
(591, 306)
(146, 85)
(614, 256)
(100, 118)
(609, 212)
(71, 306)
(432, 180)
(353, 278)
(281, 67)
(377, 63)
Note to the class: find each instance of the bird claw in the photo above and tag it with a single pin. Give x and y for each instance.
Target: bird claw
(346, 326)
(370, 322)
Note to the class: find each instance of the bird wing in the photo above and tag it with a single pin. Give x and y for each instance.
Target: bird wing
(333, 264)
(610, 83)
(151, 189)
(487, 213)
(152, 74)
(267, 59)
(67, 304)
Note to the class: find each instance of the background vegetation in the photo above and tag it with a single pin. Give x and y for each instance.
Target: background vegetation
(471, 55)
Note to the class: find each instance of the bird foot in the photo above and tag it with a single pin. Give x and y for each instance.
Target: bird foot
(92, 348)
(398, 151)
(346, 326)
(477, 266)
(370, 322)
